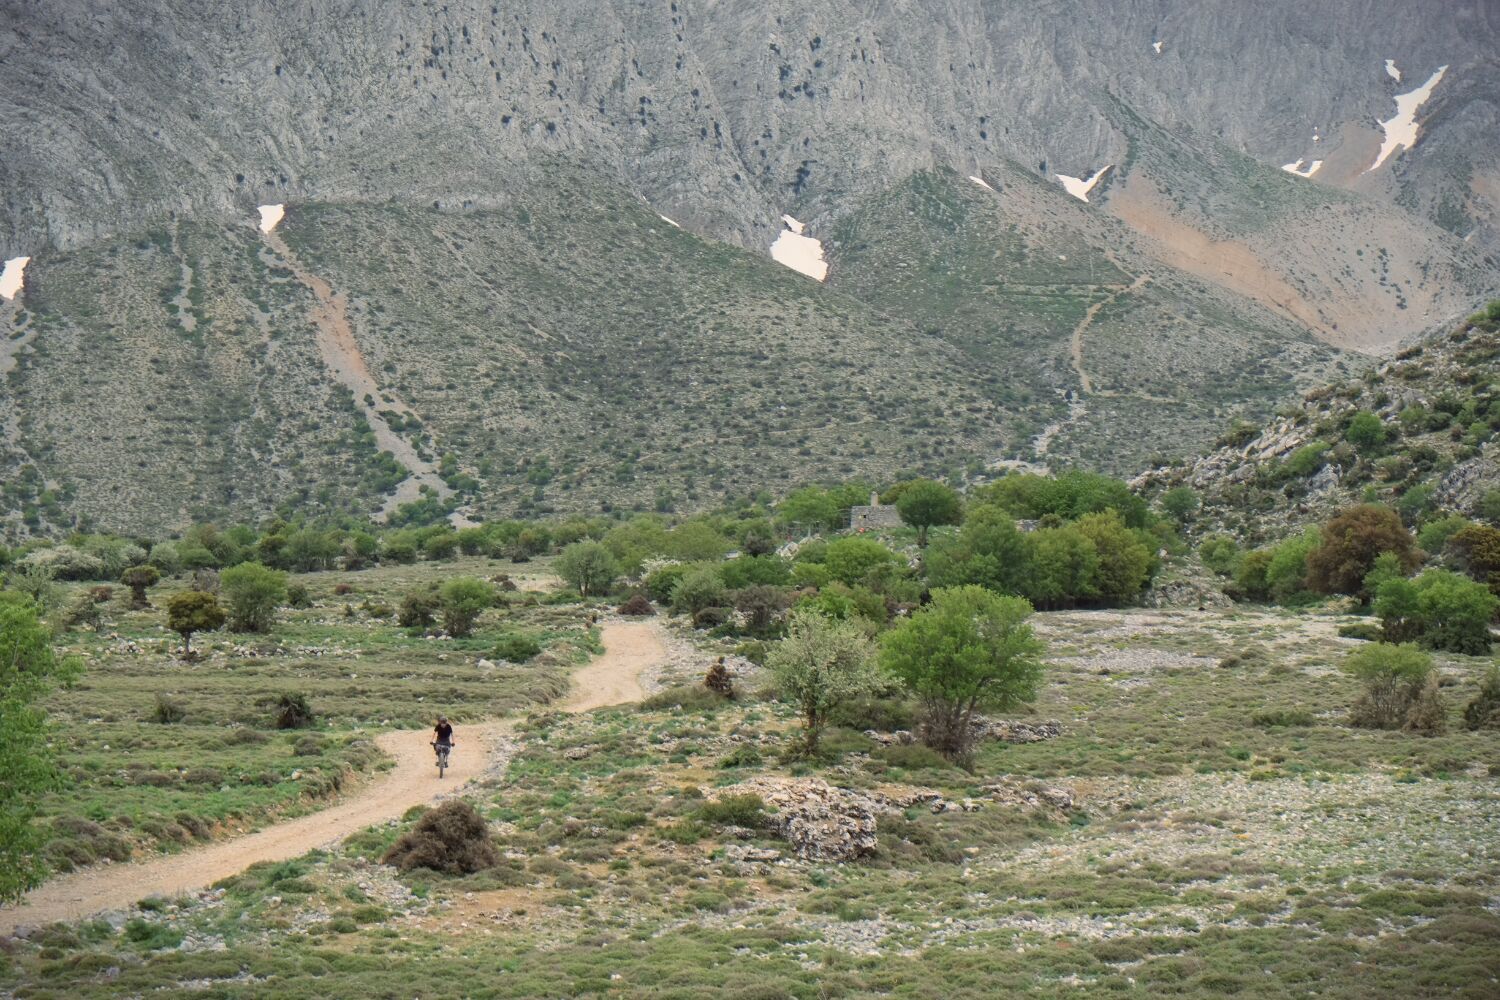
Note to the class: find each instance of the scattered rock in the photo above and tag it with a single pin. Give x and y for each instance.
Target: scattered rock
(820, 821)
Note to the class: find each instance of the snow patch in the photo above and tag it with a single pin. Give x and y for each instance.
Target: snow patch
(981, 183)
(11, 278)
(667, 220)
(800, 253)
(1392, 71)
(270, 215)
(1157, 47)
(1401, 130)
(1079, 187)
(1297, 168)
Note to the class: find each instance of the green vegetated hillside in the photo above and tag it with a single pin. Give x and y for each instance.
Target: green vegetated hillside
(573, 351)
(578, 352)
(1051, 291)
(170, 376)
(1415, 433)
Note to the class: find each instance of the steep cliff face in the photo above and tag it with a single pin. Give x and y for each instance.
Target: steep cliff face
(723, 114)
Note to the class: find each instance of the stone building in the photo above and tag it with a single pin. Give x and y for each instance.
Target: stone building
(876, 515)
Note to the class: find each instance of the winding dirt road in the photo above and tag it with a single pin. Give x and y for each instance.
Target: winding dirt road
(612, 678)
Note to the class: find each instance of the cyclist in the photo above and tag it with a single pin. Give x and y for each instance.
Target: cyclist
(443, 734)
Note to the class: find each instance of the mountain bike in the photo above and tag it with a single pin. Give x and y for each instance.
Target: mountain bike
(443, 750)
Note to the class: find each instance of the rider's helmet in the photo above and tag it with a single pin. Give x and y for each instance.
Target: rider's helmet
(442, 718)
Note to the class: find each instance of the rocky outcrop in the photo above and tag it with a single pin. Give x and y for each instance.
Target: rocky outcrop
(820, 822)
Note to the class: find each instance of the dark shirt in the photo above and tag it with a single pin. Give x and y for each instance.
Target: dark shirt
(444, 733)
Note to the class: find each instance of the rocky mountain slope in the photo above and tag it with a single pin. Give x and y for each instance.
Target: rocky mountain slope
(1430, 448)
(509, 247)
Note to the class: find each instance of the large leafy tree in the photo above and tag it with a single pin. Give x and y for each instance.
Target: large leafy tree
(28, 669)
(819, 664)
(988, 552)
(588, 567)
(1350, 543)
(970, 649)
(924, 504)
(193, 611)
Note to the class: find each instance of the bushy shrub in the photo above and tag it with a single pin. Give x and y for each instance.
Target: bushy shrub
(850, 558)
(747, 810)
(1218, 553)
(1396, 683)
(707, 618)
(742, 756)
(418, 609)
(699, 589)
(660, 583)
(1368, 631)
(292, 711)
(297, 596)
(167, 709)
(252, 593)
(912, 757)
(462, 600)
(1365, 431)
(84, 611)
(453, 839)
(65, 562)
(1484, 711)
(516, 647)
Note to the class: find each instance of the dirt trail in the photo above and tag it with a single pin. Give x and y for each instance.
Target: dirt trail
(1076, 347)
(610, 679)
(342, 354)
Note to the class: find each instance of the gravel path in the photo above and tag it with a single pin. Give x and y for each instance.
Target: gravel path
(632, 649)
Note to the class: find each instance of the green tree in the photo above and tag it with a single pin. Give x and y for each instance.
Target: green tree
(1125, 563)
(1365, 431)
(253, 593)
(1286, 573)
(696, 541)
(851, 558)
(193, 611)
(820, 664)
(987, 551)
(28, 670)
(138, 578)
(810, 508)
(1440, 609)
(588, 567)
(1349, 544)
(462, 600)
(924, 504)
(970, 649)
(1061, 566)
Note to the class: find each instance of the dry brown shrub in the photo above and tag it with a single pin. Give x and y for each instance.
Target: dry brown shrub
(452, 838)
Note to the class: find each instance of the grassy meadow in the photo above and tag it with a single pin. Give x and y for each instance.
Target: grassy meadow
(1227, 832)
